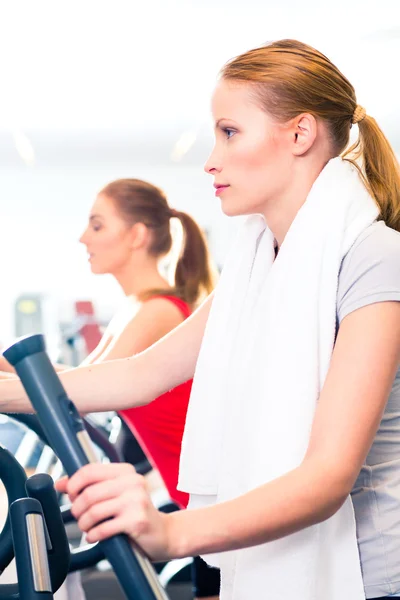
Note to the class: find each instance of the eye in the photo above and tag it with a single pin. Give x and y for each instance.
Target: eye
(96, 227)
(228, 132)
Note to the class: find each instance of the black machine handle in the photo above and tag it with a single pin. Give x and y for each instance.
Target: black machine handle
(43, 501)
(89, 555)
(41, 488)
(66, 433)
(30, 547)
(83, 557)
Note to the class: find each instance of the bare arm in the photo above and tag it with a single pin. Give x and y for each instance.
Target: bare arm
(120, 384)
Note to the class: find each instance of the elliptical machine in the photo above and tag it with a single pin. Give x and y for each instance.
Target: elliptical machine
(63, 427)
(98, 580)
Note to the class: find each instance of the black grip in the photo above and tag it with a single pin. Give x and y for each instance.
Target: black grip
(41, 488)
(25, 346)
(62, 425)
(30, 550)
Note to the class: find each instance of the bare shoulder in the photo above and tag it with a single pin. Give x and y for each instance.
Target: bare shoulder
(161, 310)
(152, 320)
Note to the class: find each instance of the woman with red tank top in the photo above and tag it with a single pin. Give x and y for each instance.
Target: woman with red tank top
(127, 234)
(129, 231)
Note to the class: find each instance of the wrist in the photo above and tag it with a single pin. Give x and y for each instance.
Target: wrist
(178, 529)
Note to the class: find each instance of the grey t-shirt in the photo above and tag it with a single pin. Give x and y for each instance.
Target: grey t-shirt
(370, 273)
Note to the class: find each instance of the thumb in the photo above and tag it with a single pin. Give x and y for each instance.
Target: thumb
(61, 485)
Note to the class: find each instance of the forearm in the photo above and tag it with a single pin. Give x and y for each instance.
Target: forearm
(120, 384)
(299, 499)
(113, 385)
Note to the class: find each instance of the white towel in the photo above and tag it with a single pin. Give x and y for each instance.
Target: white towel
(263, 361)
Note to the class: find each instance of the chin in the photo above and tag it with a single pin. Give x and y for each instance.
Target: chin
(242, 207)
(96, 270)
(234, 210)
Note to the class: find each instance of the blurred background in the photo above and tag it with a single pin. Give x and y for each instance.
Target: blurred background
(95, 90)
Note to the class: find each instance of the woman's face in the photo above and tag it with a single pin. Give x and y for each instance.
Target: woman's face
(107, 237)
(251, 160)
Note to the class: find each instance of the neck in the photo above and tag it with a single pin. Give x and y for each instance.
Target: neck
(281, 213)
(138, 277)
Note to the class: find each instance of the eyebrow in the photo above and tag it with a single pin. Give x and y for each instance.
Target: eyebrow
(92, 217)
(223, 119)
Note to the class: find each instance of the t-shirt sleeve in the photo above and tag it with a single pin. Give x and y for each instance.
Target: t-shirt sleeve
(370, 272)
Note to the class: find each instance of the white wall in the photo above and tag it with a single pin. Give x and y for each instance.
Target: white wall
(43, 211)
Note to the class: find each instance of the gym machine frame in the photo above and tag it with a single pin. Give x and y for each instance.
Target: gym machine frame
(64, 428)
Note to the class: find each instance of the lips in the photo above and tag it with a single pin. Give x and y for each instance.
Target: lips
(220, 188)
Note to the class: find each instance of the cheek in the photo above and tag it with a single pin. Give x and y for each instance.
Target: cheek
(253, 154)
(110, 241)
(110, 251)
(116, 255)
(261, 162)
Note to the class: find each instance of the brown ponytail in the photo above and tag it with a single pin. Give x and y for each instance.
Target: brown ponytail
(380, 169)
(290, 78)
(194, 275)
(139, 201)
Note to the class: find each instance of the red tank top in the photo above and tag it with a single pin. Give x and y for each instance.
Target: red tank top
(159, 426)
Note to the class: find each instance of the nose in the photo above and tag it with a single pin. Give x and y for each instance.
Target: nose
(213, 164)
(83, 237)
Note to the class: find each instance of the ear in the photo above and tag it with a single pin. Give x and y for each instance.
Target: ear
(139, 236)
(304, 133)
